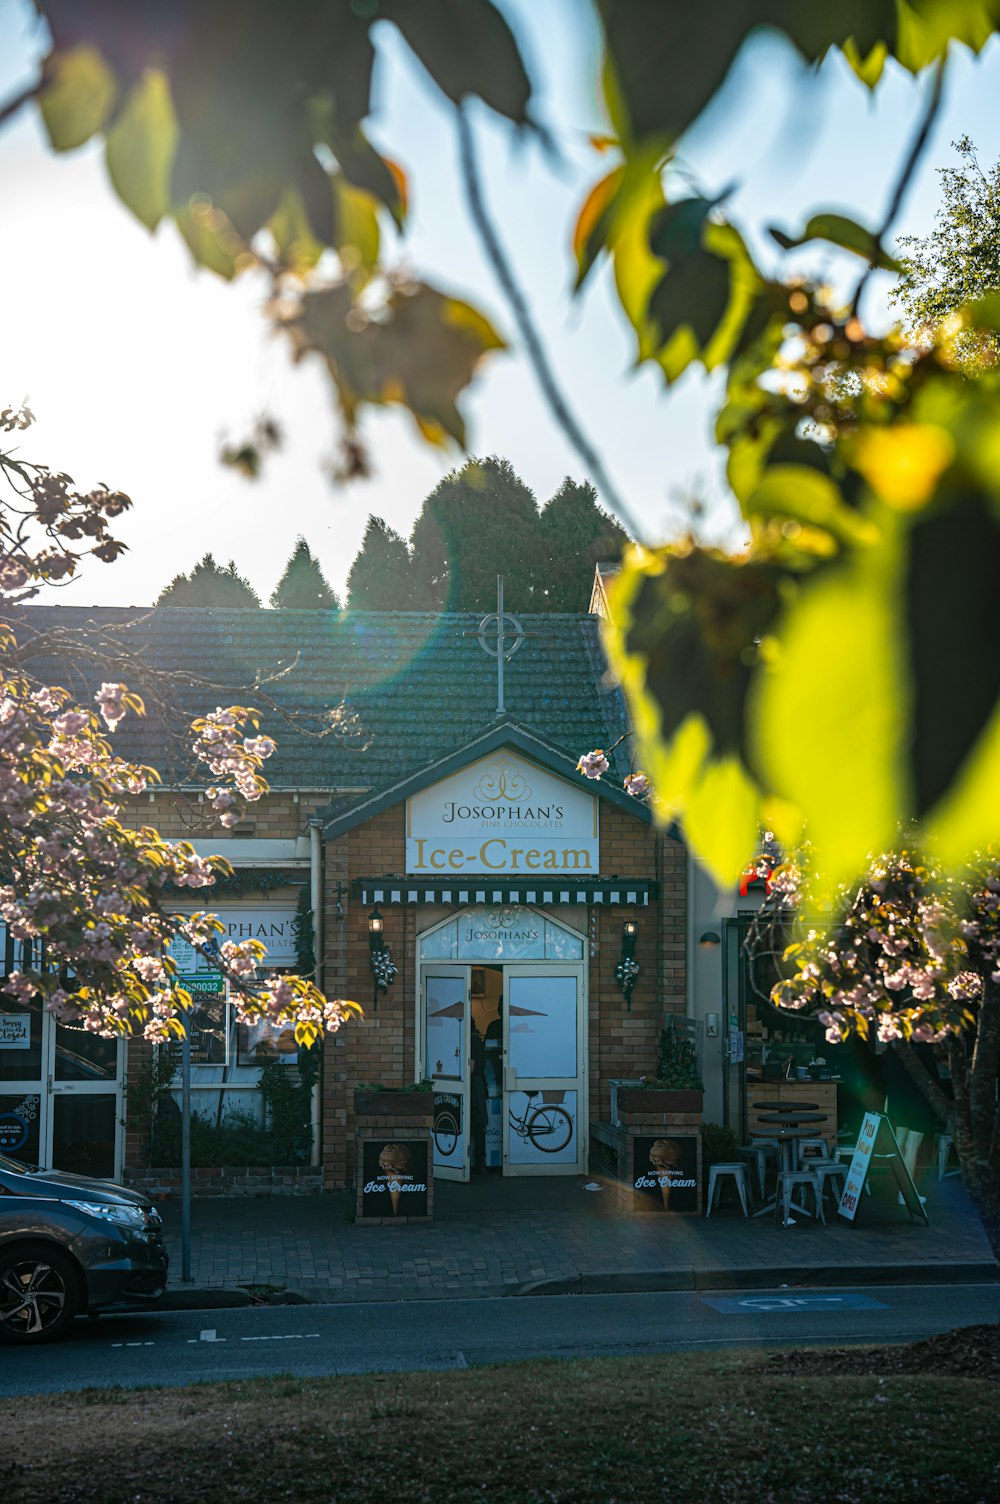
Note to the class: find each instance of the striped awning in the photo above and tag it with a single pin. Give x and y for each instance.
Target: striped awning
(450, 890)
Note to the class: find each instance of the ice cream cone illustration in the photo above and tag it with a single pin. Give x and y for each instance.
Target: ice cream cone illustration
(394, 1163)
(664, 1156)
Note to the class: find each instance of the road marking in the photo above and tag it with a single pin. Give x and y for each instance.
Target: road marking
(208, 1335)
(754, 1305)
(281, 1337)
(132, 1344)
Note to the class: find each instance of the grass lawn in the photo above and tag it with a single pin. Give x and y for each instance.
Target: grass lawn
(685, 1427)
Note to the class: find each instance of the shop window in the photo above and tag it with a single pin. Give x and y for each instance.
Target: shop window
(502, 933)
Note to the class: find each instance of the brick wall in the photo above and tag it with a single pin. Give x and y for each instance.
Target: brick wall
(188, 816)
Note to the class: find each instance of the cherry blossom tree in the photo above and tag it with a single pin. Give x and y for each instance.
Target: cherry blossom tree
(914, 955)
(92, 902)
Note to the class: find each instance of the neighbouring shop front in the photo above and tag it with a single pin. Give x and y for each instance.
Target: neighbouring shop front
(61, 1090)
(65, 1094)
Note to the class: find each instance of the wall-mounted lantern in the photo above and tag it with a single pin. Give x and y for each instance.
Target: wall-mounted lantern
(383, 967)
(627, 970)
(710, 938)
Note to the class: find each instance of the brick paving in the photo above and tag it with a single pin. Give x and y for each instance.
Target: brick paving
(496, 1236)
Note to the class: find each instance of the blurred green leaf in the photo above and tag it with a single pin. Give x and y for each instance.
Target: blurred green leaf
(467, 48)
(297, 247)
(952, 626)
(358, 238)
(77, 96)
(420, 348)
(810, 498)
(211, 239)
(841, 231)
(140, 148)
(829, 713)
(722, 819)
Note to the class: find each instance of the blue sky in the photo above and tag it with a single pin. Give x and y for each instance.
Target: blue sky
(137, 365)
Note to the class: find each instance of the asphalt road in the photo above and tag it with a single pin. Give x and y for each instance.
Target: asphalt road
(177, 1348)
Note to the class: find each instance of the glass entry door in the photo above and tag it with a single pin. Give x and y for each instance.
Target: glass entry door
(545, 1070)
(60, 1093)
(445, 1043)
(86, 1103)
(23, 1068)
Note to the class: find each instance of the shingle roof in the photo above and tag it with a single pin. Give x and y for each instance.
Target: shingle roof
(356, 701)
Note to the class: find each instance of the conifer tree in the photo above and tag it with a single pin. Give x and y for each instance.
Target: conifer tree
(209, 585)
(380, 577)
(303, 586)
(576, 534)
(478, 522)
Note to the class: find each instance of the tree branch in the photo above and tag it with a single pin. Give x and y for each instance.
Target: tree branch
(903, 182)
(529, 334)
(18, 102)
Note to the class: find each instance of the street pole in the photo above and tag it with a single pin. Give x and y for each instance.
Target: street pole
(186, 1153)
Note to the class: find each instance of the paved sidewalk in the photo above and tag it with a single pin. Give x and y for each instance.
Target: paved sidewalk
(515, 1237)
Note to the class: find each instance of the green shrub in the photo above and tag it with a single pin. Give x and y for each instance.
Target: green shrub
(718, 1145)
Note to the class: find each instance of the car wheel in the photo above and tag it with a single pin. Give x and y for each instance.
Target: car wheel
(39, 1294)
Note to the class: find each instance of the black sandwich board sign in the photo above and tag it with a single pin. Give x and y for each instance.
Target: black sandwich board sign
(877, 1139)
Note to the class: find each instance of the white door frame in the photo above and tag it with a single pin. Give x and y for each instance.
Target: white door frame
(555, 967)
(545, 970)
(459, 1086)
(99, 1088)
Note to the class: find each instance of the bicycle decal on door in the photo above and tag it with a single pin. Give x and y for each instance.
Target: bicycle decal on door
(547, 1127)
(541, 1126)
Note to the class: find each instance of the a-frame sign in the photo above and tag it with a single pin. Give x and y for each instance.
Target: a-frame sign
(877, 1140)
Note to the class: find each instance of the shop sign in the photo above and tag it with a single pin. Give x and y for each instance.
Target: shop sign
(502, 814)
(395, 1178)
(877, 1138)
(202, 982)
(15, 1031)
(13, 1133)
(273, 927)
(665, 1171)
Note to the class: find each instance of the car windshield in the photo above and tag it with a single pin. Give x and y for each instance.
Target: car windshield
(13, 1166)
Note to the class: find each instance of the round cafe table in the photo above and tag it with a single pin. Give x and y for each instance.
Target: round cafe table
(790, 1116)
(786, 1135)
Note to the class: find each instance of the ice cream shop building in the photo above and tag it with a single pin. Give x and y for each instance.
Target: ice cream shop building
(430, 849)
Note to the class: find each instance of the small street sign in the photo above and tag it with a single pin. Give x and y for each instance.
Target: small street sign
(202, 981)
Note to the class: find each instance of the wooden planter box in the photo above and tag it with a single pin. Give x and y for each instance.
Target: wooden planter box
(394, 1164)
(394, 1104)
(632, 1099)
(655, 1177)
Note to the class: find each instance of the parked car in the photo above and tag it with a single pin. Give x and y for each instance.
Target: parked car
(68, 1245)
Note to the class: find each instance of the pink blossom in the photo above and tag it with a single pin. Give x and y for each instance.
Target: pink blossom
(638, 785)
(593, 764)
(110, 702)
(22, 987)
(70, 722)
(13, 575)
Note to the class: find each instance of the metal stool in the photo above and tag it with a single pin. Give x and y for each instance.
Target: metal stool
(826, 1170)
(943, 1145)
(739, 1174)
(820, 1145)
(787, 1181)
(759, 1153)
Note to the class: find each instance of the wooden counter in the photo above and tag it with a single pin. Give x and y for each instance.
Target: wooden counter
(768, 1096)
